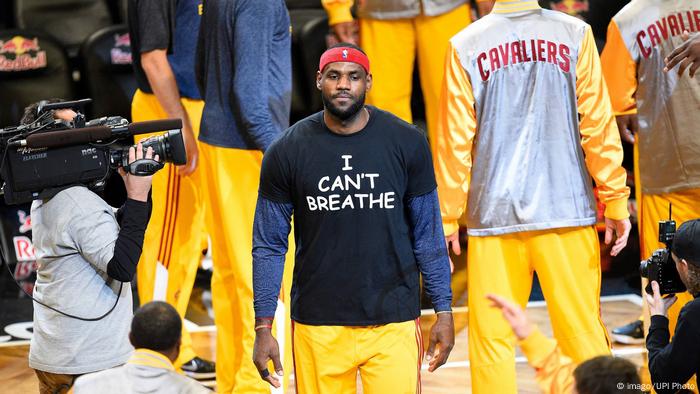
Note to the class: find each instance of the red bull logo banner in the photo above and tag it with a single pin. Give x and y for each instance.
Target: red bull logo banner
(24, 252)
(21, 54)
(571, 7)
(121, 52)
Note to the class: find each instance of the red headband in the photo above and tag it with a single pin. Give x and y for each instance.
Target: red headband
(344, 54)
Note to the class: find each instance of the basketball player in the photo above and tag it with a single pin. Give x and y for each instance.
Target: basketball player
(163, 36)
(360, 185)
(525, 122)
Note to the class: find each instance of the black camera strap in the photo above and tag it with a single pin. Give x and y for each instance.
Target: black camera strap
(121, 286)
(144, 167)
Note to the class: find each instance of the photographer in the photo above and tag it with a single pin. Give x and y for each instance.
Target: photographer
(84, 254)
(672, 364)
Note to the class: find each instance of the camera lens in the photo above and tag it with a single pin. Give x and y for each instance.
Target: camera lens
(644, 269)
(159, 147)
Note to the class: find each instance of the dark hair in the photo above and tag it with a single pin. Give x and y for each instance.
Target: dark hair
(607, 374)
(693, 278)
(156, 326)
(347, 45)
(30, 112)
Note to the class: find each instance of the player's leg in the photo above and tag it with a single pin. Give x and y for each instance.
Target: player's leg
(498, 265)
(146, 107)
(390, 358)
(184, 251)
(390, 44)
(433, 34)
(567, 262)
(325, 359)
(230, 213)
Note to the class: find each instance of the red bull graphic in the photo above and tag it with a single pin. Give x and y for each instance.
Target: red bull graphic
(23, 270)
(571, 7)
(21, 54)
(121, 52)
(25, 222)
(24, 250)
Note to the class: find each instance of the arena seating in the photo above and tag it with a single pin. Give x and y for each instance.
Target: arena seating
(309, 30)
(70, 21)
(33, 66)
(106, 73)
(87, 30)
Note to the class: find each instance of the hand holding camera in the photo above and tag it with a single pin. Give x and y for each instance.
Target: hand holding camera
(657, 304)
(138, 185)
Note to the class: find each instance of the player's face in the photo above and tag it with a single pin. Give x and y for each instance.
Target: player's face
(343, 87)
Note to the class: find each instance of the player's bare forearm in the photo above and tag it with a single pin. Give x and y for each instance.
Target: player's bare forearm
(162, 81)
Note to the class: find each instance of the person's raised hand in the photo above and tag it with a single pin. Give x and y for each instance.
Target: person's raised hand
(657, 304)
(514, 315)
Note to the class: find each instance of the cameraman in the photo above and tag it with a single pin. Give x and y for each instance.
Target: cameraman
(84, 254)
(672, 364)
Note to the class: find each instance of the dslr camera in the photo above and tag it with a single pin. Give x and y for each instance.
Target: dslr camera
(41, 158)
(660, 267)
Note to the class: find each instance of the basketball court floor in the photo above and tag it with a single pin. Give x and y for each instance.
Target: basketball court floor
(453, 377)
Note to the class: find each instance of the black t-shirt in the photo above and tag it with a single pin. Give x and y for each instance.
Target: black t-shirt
(354, 257)
(151, 26)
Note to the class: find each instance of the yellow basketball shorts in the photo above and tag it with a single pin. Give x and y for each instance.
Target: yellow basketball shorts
(327, 359)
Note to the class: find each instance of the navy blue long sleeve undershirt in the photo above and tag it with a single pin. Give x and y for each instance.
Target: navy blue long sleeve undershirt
(271, 231)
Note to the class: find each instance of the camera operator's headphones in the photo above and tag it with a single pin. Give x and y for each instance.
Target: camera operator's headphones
(40, 107)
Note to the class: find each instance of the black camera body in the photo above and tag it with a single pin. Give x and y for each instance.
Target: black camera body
(660, 267)
(48, 155)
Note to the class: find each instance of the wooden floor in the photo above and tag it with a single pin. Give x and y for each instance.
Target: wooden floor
(16, 377)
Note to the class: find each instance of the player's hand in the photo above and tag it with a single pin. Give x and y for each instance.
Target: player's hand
(137, 187)
(442, 340)
(514, 315)
(628, 126)
(621, 228)
(347, 32)
(688, 54)
(453, 239)
(657, 305)
(191, 149)
(264, 350)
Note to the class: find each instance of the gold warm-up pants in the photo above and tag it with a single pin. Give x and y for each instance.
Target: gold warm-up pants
(392, 46)
(172, 247)
(567, 262)
(232, 182)
(388, 357)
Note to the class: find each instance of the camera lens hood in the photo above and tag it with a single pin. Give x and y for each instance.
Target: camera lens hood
(177, 147)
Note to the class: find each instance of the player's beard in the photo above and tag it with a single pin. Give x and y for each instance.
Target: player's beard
(347, 113)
